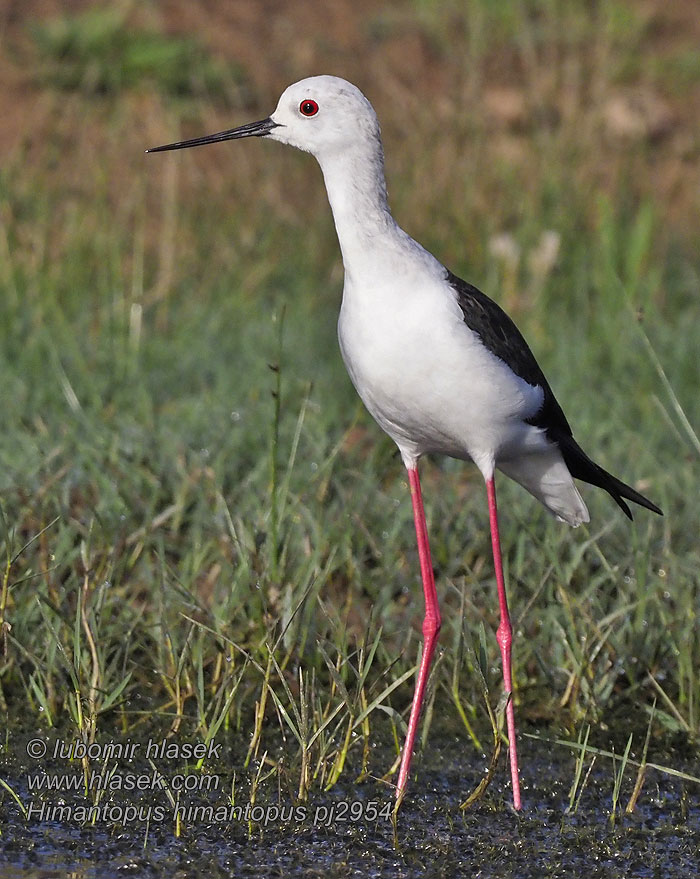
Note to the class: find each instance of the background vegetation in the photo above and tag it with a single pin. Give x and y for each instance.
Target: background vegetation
(196, 541)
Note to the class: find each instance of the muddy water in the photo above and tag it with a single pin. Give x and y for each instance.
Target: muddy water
(346, 832)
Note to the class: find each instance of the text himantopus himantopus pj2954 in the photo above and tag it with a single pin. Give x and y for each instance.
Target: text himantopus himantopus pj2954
(438, 364)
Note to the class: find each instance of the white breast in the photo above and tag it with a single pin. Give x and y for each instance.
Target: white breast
(424, 375)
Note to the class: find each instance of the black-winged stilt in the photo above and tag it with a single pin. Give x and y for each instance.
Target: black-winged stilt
(437, 363)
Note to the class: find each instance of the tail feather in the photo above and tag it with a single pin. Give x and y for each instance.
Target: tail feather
(581, 467)
(546, 476)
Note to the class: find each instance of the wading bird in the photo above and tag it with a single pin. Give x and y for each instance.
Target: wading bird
(440, 367)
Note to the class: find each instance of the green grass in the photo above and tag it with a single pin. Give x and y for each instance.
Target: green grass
(197, 541)
(97, 52)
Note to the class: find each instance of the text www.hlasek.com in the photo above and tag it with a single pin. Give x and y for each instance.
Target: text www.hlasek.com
(119, 781)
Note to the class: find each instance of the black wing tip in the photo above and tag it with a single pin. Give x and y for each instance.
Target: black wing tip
(633, 496)
(654, 509)
(624, 507)
(583, 468)
(621, 490)
(626, 510)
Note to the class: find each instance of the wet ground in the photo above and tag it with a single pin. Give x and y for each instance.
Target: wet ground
(345, 832)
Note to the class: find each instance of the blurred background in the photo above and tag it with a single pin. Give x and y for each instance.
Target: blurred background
(514, 133)
(547, 151)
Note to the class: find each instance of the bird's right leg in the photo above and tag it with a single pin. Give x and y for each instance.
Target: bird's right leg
(505, 637)
(431, 627)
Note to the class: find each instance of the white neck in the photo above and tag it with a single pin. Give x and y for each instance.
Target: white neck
(357, 194)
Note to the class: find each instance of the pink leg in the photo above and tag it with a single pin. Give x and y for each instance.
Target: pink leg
(431, 627)
(504, 634)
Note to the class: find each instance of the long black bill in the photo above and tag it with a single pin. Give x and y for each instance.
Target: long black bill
(252, 129)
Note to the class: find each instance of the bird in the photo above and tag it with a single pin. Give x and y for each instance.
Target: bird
(437, 363)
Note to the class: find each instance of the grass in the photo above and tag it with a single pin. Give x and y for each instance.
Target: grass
(195, 540)
(98, 52)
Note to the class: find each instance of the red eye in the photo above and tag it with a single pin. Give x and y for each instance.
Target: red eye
(308, 107)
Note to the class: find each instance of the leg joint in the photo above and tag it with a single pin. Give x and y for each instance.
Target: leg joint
(431, 625)
(504, 634)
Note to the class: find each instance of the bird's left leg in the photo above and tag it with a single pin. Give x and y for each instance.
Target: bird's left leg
(431, 627)
(504, 635)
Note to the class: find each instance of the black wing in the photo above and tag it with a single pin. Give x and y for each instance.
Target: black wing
(502, 338)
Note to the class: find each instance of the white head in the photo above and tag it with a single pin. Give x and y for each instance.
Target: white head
(322, 115)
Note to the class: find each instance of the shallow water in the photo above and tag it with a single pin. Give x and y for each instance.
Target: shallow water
(346, 832)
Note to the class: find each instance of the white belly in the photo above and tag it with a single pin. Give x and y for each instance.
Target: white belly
(428, 380)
